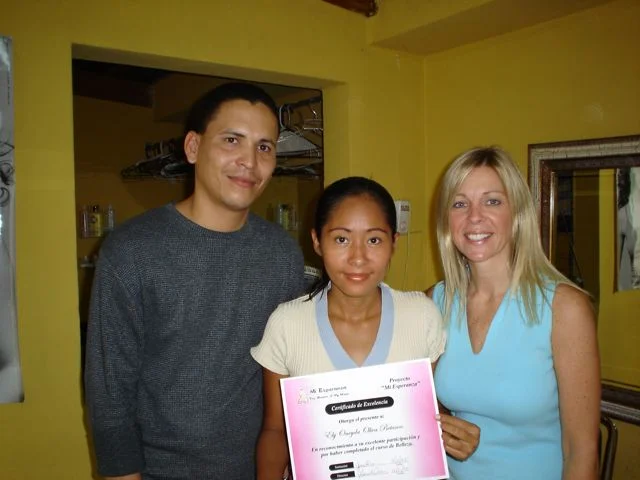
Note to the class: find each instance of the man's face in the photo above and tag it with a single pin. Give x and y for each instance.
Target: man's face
(235, 157)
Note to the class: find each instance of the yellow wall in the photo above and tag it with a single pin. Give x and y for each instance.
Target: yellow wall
(568, 79)
(302, 43)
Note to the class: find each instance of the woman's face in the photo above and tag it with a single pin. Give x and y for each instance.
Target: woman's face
(356, 245)
(480, 218)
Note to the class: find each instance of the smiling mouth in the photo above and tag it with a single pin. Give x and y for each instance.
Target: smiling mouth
(477, 237)
(357, 276)
(244, 182)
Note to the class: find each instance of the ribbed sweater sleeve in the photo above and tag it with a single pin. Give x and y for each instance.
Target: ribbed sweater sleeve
(114, 349)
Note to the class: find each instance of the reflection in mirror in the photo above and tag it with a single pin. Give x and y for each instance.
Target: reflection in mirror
(575, 228)
(628, 228)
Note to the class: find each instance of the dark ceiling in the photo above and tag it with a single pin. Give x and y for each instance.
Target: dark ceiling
(135, 74)
(115, 82)
(135, 85)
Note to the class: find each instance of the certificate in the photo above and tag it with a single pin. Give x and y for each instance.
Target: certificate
(374, 422)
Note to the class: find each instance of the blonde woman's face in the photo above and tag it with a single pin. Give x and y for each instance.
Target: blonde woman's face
(480, 218)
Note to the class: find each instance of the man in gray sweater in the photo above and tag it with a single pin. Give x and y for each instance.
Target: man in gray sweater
(180, 295)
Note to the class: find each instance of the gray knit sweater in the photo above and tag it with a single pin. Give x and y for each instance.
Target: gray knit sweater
(171, 388)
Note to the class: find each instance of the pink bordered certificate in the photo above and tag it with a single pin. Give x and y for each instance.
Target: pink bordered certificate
(374, 422)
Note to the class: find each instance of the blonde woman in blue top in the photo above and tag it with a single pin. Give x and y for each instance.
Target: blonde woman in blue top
(521, 360)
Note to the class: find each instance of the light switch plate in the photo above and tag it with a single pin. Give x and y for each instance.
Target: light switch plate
(403, 213)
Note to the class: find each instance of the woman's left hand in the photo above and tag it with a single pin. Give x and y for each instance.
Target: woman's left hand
(460, 438)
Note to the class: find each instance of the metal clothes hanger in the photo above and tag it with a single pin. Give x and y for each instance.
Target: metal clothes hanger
(291, 142)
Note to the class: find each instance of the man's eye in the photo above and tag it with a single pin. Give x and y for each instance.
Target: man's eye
(264, 148)
(231, 140)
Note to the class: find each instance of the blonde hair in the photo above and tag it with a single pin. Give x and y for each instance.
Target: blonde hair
(530, 268)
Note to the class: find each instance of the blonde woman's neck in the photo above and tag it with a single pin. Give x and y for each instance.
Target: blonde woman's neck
(489, 281)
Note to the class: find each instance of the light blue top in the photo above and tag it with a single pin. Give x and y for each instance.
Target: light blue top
(508, 389)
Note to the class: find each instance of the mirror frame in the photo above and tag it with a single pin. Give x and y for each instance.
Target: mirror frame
(545, 159)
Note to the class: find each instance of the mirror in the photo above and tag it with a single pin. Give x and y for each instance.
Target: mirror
(574, 184)
(587, 194)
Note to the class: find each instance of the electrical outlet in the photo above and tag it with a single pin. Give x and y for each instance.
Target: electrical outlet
(403, 213)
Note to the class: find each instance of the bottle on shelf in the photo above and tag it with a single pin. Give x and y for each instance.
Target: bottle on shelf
(84, 222)
(86, 262)
(283, 215)
(293, 217)
(109, 219)
(95, 221)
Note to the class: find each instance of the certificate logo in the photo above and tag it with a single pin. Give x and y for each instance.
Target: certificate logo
(302, 397)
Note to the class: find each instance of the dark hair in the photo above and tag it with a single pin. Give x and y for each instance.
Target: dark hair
(335, 194)
(207, 106)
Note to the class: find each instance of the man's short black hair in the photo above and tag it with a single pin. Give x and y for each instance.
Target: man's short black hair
(207, 106)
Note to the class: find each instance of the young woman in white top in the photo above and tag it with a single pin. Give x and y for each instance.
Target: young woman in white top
(351, 318)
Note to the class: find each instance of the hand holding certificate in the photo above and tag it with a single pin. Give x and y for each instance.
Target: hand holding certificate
(372, 422)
